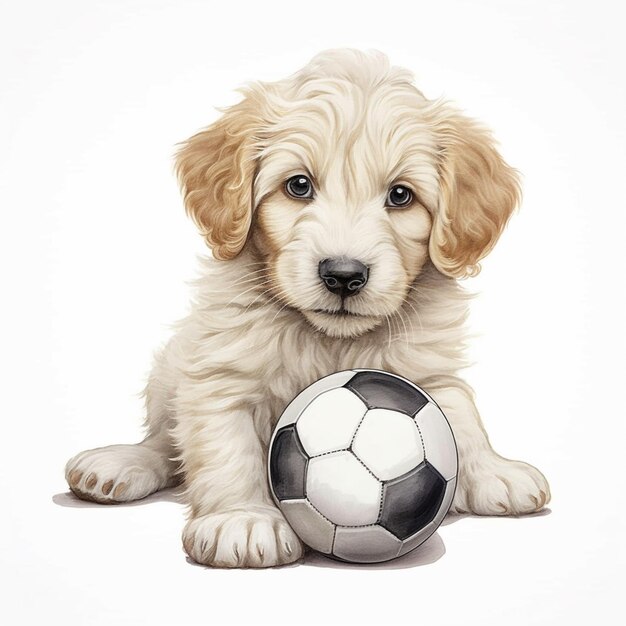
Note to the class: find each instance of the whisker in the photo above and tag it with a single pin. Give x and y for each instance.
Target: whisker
(251, 276)
(395, 329)
(246, 291)
(273, 298)
(403, 324)
(417, 315)
(242, 281)
(277, 312)
(388, 331)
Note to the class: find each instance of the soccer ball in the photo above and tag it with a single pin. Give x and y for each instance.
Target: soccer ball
(363, 465)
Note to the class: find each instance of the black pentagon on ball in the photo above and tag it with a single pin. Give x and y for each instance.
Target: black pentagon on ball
(411, 501)
(380, 390)
(288, 462)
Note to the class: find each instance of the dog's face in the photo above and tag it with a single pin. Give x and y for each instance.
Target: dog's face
(345, 181)
(342, 190)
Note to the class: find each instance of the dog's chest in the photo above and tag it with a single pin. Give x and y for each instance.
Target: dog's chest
(297, 366)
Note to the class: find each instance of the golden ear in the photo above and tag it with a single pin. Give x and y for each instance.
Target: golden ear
(215, 169)
(478, 193)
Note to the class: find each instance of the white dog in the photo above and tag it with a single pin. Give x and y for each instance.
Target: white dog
(341, 207)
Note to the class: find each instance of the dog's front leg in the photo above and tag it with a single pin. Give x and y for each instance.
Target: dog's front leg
(233, 521)
(488, 484)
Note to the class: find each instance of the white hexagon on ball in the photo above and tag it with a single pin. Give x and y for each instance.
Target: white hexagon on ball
(329, 422)
(308, 395)
(389, 443)
(311, 527)
(365, 544)
(342, 489)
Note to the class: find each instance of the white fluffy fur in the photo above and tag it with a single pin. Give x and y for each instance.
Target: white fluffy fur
(251, 341)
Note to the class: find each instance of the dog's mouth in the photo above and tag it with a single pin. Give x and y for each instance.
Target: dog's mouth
(338, 312)
(341, 322)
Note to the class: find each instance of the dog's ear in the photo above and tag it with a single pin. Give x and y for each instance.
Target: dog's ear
(478, 193)
(216, 169)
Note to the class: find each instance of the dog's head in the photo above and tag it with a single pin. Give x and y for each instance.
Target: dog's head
(346, 180)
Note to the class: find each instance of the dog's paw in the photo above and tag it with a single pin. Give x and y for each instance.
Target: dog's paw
(492, 485)
(116, 474)
(257, 537)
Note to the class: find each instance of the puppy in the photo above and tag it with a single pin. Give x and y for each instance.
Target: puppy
(341, 207)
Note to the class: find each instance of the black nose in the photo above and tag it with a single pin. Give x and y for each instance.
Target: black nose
(345, 277)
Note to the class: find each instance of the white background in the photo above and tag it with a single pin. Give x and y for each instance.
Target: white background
(95, 251)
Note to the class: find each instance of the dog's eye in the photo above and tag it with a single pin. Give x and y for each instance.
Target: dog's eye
(299, 187)
(399, 196)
